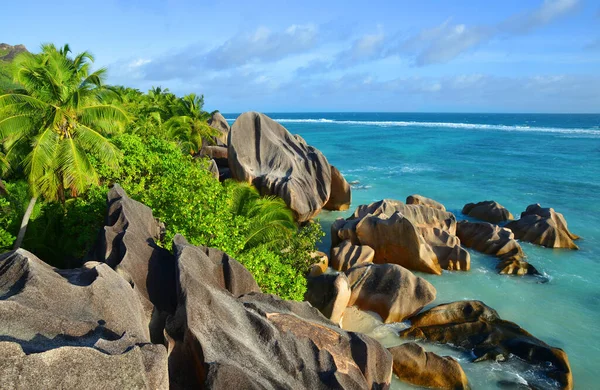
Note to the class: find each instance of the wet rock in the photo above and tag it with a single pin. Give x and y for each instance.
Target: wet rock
(217, 121)
(419, 199)
(474, 326)
(389, 290)
(488, 210)
(76, 328)
(412, 364)
(543, 226)
(346, 255)
(258, 341)
(330, 293)
(341, 194)
(496, 241)
(264, 153)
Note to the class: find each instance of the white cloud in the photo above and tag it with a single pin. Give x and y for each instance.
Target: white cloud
(447, 41)
(262, 45)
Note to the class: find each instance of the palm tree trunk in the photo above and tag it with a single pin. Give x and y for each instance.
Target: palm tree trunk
(24, 223)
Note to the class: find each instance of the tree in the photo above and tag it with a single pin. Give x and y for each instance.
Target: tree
(57, 122)
(189, 124)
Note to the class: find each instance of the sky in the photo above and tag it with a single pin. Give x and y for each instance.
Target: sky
(321, 56)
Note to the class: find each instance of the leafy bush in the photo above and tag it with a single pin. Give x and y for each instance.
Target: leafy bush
(184, 195)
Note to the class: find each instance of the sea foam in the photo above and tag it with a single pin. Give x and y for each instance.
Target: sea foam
(453, 125)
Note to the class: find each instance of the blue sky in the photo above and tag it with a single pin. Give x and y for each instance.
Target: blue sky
(465, 56)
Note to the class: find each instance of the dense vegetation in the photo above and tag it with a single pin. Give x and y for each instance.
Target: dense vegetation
(66, 137)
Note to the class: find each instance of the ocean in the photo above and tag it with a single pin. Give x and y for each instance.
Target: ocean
(514, 159)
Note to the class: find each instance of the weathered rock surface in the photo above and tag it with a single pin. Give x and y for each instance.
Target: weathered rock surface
(420, 215)
(213, 169)
(78, 328)
(415, 236)
(396, 240)
(258, 341)
(218, 122)
(447, 248)
(543, 226)
(496, 241)
(330, 293)
(412, 364)
(140, 367)
(390, 290)
(474, 326)
(320, 265)
(217, 153)
(341, 194)
(346, 255)
(264, 153)
(420, 199)
(127, 244)
(488, 210)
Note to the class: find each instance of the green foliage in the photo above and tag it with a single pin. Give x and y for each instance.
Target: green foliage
(6, 221)
(183, 194)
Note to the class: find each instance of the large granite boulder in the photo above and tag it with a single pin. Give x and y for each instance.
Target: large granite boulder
(496, 241)
(419, 214)
(447, 248)
(488, 210)
(330, 293)
(128, 245)
(346, 255)
(218, 122)
(258, 341)
(420, 199)
(414, 365)
(79, 328)
(341, 194)
(389, 290)
(264, 153)
(396, 240)
(415, 236)
(474, 326)
(543, 226)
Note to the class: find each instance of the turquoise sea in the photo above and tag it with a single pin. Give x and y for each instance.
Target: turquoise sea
(515, 159)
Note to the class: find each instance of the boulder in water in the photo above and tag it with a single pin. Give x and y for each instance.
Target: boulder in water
(474, 326)
(543, 226)
(414, 365)
(419, 199)
(346, 255)
(488, 210)
(496, 241)
(264, 153)
(389, 290)
(341, 194)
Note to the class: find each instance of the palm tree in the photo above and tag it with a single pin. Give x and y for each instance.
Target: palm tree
(271, 222)
(189, 124)
(56, 122)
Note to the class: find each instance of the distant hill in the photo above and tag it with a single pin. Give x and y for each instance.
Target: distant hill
(8, 52)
